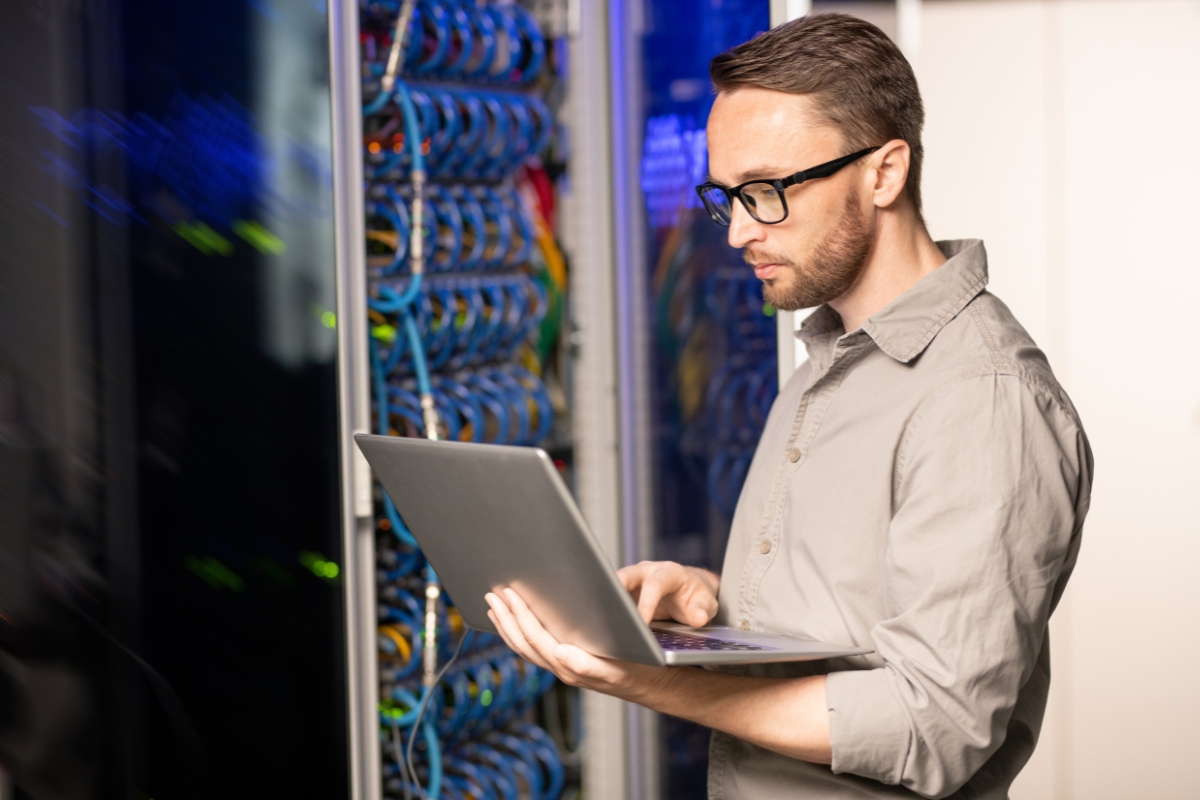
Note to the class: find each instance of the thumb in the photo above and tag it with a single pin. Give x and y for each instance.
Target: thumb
(697, 617)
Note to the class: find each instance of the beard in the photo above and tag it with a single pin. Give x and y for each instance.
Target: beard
(833, 268)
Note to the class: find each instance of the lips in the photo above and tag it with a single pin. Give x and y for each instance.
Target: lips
(765, 272)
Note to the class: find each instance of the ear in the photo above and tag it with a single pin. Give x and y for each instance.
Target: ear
(890, 173)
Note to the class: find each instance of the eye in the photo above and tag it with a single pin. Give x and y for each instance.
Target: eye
(762, 191)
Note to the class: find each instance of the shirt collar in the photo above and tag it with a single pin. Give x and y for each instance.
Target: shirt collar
(906, 326)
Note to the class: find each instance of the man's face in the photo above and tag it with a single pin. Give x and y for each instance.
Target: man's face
(818, 252)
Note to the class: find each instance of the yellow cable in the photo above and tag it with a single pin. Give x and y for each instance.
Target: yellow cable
(555, 263)
(394, 633)
(389, 238)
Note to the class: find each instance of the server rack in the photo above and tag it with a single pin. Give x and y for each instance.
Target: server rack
(593, 364)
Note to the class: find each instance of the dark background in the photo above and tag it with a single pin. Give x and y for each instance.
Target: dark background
(167, 475)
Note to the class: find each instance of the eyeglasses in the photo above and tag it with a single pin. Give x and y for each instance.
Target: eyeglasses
(765, 199)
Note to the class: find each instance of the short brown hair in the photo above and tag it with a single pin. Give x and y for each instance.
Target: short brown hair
(863, 85)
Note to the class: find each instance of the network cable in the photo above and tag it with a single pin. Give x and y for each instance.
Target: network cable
(467, 288)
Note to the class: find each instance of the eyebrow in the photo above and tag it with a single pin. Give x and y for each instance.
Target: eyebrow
(757, 174)
(764, 172)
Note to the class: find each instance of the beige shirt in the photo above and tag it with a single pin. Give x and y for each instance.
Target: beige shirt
(919, 489)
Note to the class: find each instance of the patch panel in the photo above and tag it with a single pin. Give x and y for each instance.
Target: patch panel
(466, 291)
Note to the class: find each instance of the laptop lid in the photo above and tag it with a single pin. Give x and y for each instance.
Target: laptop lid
(491, 516)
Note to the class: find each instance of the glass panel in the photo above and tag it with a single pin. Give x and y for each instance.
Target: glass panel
(714, 347)
(170, 607)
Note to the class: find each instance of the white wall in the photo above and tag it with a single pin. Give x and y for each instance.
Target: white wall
(1064, 133)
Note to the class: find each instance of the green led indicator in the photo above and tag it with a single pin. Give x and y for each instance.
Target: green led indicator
(768, 309)
(259, 237)
(204, 238)
(329, 319)
(486, 698)
(384, 333)
(320, 567)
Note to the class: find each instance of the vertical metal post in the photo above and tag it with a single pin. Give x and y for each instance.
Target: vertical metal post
(629, 230)
(358, 548)
(589, 238)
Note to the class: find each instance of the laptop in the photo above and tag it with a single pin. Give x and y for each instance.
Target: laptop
(490, 517)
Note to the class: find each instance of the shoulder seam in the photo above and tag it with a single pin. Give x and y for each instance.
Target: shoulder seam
(998, 358)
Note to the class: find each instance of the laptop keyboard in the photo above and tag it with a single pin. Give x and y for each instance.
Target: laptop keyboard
(674, 640)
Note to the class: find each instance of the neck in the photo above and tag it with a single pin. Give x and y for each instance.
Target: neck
(903, 252)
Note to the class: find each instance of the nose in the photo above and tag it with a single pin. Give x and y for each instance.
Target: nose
(743, 228)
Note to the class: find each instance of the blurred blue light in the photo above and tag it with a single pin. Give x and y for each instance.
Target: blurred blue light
(204, 161)
(674, 160)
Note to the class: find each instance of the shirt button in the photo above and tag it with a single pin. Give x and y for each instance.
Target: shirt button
(765, 547)
(744, 625)
(794, 456)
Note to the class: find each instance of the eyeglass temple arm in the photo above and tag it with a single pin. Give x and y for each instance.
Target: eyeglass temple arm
(826, 169)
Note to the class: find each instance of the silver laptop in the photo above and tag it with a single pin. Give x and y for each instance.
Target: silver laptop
(490, 517)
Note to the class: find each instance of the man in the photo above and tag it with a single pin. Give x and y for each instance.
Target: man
(922, 480)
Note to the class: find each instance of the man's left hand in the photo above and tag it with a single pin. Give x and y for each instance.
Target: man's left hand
(526, 635)
(787, 715)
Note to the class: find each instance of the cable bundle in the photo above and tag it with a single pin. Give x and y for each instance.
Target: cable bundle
(744, 385)
(712, 324)
(464, 322)
(495, 405)
(464, 133)
(486, 747)
(455, 41)
(466, 290)
(467, 228)
(739, 397)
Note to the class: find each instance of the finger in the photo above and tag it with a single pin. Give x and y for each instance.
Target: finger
(500, 629)
(697, 614)
(517, 640)
(536, 635)
(631, 577)
(695, 607)
(501, 622)
(512, 634)
(656, 585)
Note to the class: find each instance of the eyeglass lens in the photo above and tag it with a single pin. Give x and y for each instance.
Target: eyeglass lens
(762, 200)
(717, 204)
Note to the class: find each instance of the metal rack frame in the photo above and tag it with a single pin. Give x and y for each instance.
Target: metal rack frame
(354, 402)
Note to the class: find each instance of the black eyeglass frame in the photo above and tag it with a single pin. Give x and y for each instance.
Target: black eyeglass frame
(780, 184)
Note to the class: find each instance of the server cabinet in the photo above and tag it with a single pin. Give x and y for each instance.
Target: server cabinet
(172, 621)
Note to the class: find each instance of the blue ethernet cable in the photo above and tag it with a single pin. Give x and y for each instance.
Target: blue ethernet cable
(502, 768)
(477, 322)
(398, 527)
(429, 729)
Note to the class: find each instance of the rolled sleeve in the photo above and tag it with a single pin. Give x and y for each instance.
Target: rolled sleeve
(988, 505)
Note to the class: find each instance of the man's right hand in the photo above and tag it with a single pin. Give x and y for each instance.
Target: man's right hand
(666, 590)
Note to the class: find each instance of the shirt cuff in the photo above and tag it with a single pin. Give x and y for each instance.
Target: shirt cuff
(869, 733)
